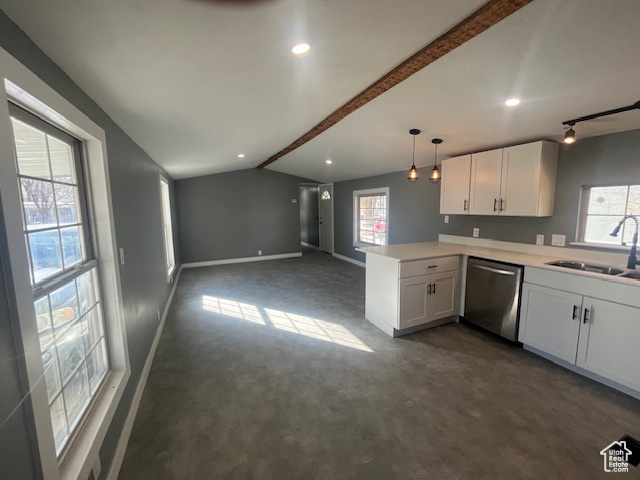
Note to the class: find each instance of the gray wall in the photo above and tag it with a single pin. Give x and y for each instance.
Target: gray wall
(137, 214)
(309, 226)
(16, 454)
(413, 210)
(608, 159)
(235, 214)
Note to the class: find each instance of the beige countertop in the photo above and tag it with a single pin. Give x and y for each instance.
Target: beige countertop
(407, 252)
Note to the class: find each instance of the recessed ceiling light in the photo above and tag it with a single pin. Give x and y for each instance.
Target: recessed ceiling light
(328, 162)
(512, 102)
(241, 155)
(301, 48)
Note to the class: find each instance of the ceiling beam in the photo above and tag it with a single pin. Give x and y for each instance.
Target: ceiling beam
(485, 17)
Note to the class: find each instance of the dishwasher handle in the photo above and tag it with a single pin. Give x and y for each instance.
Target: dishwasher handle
(495, 270)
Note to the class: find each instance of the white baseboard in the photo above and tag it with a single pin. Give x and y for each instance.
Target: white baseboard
(227, 261)
(350, 260)
(309, 245)
(121, 448)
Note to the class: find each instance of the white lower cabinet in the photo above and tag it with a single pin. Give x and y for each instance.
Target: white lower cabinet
(597, 335)
(404, 294)
(608, 342)
(550, 321)
(426, 298)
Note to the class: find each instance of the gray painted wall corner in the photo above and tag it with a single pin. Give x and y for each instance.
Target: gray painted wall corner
(235, 214)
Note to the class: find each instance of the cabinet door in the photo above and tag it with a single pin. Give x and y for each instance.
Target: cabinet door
(442, 298)
(520, 187)
(486, 174)
(454, 189)
(550, 321)
(414, 293)
(609, 342)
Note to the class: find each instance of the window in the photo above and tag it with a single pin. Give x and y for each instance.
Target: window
(370, 216)
(603, 207)
(63, 270)
(166, 226)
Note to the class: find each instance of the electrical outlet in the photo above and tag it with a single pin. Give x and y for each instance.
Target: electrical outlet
(539, 239)
(476, 232)
(446, 219)
(121, 256)
(558, 240)
(259, 252)
(97, 468)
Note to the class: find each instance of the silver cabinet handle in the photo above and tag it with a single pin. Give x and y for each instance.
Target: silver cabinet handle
(495, 270)
(429, 290)
(464, 209)
(495, 204)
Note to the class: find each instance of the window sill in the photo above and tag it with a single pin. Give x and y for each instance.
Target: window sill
(602, 246)
(83, 452)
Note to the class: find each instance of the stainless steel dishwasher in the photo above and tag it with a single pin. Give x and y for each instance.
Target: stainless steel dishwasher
(492, 298)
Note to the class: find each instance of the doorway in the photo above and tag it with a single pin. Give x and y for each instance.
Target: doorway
(325, 210)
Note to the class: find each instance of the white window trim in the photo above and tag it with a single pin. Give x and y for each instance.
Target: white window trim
(23, 87)
(173, 267)
(358, 193)
(582, 217)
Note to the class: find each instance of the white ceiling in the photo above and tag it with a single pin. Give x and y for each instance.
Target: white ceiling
(195, 83)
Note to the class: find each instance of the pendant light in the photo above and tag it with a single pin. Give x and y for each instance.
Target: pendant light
(413, 173)
(435, 176)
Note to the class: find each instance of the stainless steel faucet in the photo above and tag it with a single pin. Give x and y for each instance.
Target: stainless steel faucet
(633, 261)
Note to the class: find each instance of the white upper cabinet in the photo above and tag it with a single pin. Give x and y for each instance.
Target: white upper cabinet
(454, 193)
(529, 179)
(511, 181)
(486, 172)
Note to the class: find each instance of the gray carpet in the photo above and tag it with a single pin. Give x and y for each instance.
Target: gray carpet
(269, 370)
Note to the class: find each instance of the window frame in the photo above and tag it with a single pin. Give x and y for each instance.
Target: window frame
(42, 289)
(356, 214)
(171, 266)
(585, 192)
(22, 87)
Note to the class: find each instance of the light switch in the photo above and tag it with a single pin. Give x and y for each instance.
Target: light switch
(539, 239)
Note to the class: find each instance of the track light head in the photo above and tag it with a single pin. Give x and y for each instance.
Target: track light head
(570, 135)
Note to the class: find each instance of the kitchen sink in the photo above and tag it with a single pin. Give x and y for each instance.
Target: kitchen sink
(634, 275)
(588, 267)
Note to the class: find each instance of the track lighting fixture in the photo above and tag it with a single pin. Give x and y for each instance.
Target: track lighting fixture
(435, 175)
(413, 173)
(570, 135)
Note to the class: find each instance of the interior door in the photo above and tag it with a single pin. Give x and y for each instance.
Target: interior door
(486, 173)
(325, 209)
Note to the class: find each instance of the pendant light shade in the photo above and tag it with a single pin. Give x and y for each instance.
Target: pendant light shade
(413, 172)
(435, 176)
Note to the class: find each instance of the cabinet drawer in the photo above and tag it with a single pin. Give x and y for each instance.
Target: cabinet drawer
(425, 267)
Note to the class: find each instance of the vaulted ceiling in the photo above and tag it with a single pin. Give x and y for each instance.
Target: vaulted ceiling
(198, 82)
